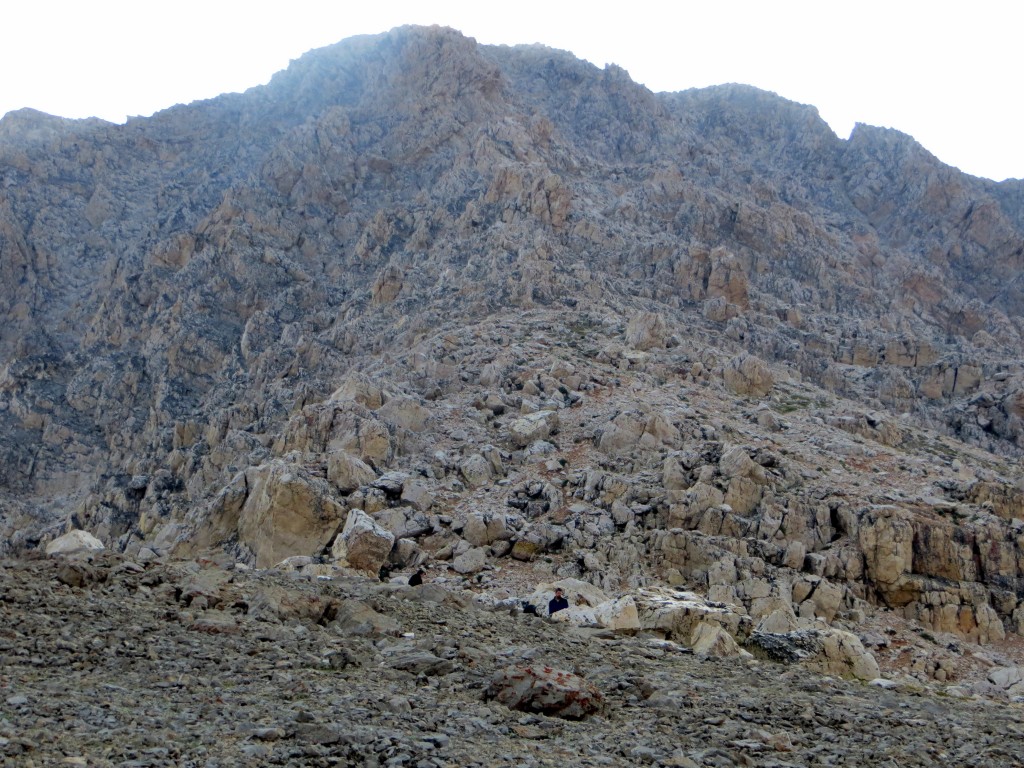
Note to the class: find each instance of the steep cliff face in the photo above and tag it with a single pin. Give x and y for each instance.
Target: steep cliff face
(405, 244)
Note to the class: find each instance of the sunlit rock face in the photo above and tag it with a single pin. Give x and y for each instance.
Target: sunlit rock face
(689, 337)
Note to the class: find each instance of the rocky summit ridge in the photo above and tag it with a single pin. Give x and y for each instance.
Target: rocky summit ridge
(743, 386)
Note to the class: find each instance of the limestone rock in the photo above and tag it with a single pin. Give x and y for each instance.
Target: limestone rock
(276, 510)
(673, 476)
(418, 662)
(405, 413)
(646, 330)
(476, 470)
(844, 655)
(623, 432)
(482, 528)
(360, 389)
(404, 522)
(273, 604)
(73, 541)
(736, 462)
(620, 614)
(780, 621)
(475, 530)
(827, 599)
(794, 555)
(727, 279)
(832, 651)
(886, 538)
(718, 345)
(406, 553)
(749, 376)
(525, 550)
(712, 640)
(362, 544)
(532, 427)
(678, 614)
(395, 251)
(354, 617)
(417, 495)
(472, 561)
(348, 473)
(1004, 677)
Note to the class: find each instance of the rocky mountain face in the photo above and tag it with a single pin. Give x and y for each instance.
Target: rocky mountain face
(495, 310)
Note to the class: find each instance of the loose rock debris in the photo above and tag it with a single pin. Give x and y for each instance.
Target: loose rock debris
(137, 666)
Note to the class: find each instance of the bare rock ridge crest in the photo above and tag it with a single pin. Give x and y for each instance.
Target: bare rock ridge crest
(496, 310)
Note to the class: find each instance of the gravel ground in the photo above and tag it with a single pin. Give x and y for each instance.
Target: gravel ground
(116, 663)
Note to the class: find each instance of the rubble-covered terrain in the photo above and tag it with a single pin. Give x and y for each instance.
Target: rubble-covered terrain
(753, 394)
(109, 662)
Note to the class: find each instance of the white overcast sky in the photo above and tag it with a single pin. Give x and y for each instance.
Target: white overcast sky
(949, 74)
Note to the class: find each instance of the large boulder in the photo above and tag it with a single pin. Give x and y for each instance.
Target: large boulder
(844, 655)
(545, 691)
(353, 617)
(363, 545)
(288, 512)
(736, 462)
(1008, 679)
(678, 614)
(72, 542)
(274, 511)
(536, 538)
(416, 494)
(405, 413)
(619, 614)
(475, 530)
(404, 522)
(483, 528)
(829, 651)
(727, 280)
(360, 389)
(273, 603)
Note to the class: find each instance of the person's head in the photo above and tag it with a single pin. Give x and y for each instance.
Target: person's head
(558, 591)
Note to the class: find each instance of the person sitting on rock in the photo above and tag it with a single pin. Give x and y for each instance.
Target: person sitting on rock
(557, 603)
(417, 578)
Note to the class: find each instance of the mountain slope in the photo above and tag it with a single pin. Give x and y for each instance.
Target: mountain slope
(520, 283)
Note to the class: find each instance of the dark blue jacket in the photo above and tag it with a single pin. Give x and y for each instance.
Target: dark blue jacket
(557, 604)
